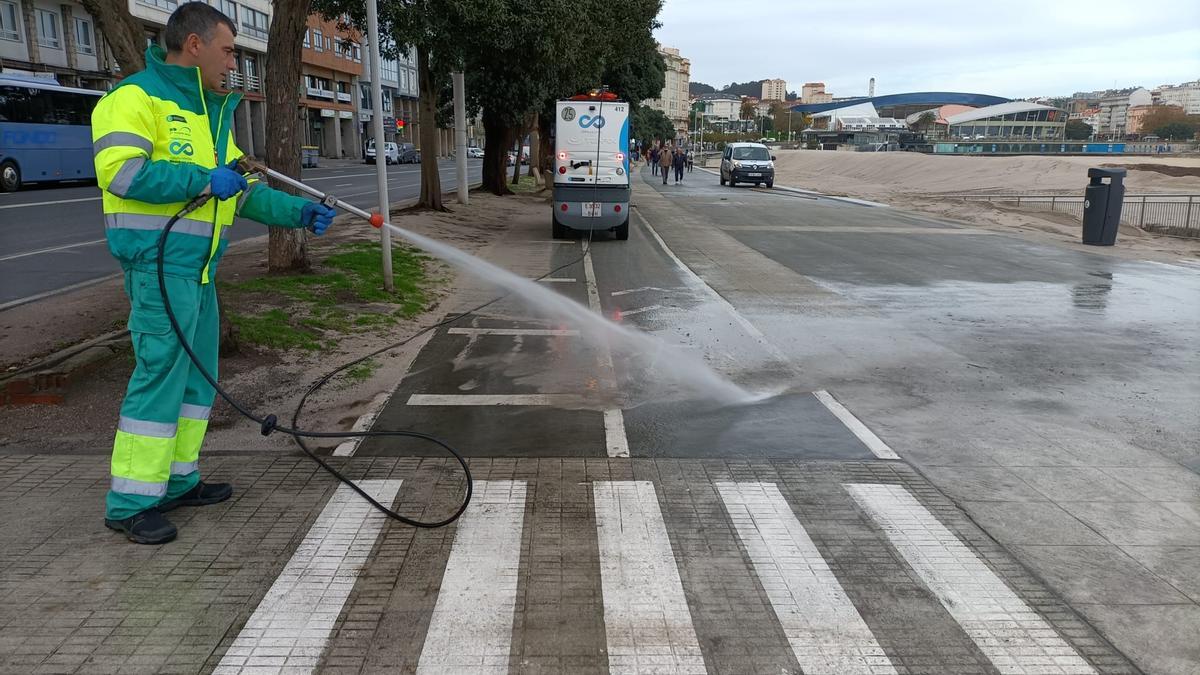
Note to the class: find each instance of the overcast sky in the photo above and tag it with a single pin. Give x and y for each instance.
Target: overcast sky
(1013, 48)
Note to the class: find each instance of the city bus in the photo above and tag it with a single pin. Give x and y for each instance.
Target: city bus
(45, 132)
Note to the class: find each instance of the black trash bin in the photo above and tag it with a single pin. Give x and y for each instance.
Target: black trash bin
(1102, 206)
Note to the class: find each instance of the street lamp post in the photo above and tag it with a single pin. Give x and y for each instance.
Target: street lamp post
(385, 236)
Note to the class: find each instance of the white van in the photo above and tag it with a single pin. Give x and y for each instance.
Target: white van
(591, 165)
(391, 153)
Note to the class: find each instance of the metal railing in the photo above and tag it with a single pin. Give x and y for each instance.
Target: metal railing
(237, 80)
(1177, 215)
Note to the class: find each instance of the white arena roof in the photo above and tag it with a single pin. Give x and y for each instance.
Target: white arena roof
(996, 110)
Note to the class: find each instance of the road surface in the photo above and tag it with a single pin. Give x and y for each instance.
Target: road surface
(52, 237)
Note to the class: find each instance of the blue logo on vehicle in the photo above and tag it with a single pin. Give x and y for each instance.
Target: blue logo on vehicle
(586, 121)
(178, 148)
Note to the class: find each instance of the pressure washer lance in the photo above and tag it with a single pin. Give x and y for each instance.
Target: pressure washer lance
(270, 423)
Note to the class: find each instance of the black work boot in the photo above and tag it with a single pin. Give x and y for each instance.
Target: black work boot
(147, 527)
(201, 495)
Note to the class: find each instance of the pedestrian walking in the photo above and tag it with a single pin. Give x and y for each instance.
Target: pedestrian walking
(679, 160)
(664, 163)
(691, 158)
(158, 142)
(654, 152)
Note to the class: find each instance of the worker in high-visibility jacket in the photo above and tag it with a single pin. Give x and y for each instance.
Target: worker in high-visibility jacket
(161, 138)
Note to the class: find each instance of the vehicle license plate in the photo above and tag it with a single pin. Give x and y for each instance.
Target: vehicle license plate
(591, 209)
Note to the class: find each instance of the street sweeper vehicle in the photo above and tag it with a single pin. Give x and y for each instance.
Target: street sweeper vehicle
(591, 165)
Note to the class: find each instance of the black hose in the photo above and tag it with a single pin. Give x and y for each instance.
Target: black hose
(269, 423)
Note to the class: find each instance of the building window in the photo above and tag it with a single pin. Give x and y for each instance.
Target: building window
(389, 70)
(84, 43)
(306, 42)
(229, 9)
(255, 23)
(47, 24)
(357, 54)
(317, 44)
(165, 5)
(8, 22)
(329, 44)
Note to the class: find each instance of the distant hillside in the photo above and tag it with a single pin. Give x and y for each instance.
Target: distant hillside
(744, 89)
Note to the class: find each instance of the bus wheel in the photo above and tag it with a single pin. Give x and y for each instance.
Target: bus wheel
(10, 177)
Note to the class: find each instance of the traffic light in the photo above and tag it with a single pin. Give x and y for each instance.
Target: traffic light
(399, 124)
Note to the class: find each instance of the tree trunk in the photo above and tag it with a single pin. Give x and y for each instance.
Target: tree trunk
(123, 33)
(431, 179)
(519, 132)
(496, 143)
(535, 147)
(286, 249)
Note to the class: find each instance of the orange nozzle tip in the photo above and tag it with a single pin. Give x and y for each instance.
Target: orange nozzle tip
(376, 220)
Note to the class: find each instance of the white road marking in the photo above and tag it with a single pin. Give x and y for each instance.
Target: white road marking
(646, 619)
(639, 310)
(58, 291)
(1007, 630)
(616, 294)
(343, 184)
(868, 437)
(292, 624)
(59, 201)
(614, 420)
(558, 280)
(864, 229)
(531, 332)
(559, 400)
(615, 439)
(52, 249)
(470, 630)
(699, 284)
(822, 625)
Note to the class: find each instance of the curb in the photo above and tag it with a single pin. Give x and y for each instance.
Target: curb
(46, 381)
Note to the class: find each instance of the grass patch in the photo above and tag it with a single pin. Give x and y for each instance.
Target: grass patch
(363, 371)
(274, 330)
(527, 186)
(344, 296)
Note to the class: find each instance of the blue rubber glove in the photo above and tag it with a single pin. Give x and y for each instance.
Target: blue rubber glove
(224, 182)
(317, 217)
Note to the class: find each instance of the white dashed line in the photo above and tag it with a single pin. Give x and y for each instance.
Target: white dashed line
(470, 630)
(823, 627)
(614, 420)
(531, 332)
(559, 400)
(646, 619)
(1006, 630)
(868, 437)
(292, 624)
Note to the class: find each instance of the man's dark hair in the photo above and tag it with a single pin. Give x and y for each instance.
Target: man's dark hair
(194, 17)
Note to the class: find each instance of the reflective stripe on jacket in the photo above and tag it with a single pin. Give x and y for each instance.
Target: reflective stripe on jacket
(155, 138)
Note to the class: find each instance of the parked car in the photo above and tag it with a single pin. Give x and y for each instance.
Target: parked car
(747, 163)
(407, 150)
(391, 153)
(475, 153)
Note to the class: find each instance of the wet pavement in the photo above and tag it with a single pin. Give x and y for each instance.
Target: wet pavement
(973, 454)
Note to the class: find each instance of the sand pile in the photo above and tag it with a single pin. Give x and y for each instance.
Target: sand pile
(885, 175)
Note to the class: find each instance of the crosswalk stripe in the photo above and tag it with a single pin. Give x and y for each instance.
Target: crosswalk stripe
(471, 626)
(291, 625)
(1006, 630)
(646, 618)
(822, 625)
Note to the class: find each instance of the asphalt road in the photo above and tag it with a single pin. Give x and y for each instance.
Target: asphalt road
(967, 453)
(1049, 392)
(52, 237)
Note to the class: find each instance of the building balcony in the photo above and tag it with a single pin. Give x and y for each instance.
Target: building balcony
(236, 80)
